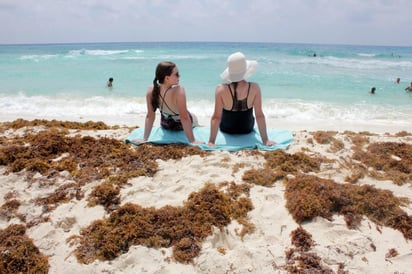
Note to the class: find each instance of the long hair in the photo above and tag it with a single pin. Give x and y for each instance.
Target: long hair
(163, 69)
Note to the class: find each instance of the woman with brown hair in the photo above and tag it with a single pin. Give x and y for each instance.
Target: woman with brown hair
(170, 98)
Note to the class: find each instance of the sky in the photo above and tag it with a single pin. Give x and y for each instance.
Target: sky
(356, 22)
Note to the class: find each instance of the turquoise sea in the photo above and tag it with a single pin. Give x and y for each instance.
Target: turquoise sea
(49, 80)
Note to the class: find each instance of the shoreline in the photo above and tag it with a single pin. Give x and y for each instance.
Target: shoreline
(368, 248)
(139, 121)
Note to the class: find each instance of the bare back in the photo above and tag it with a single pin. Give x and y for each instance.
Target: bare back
(168, 100)
(242, 92)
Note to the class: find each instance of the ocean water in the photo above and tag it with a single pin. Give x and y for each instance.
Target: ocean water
(52, 80)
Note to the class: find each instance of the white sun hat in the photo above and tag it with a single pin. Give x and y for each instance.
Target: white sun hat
(238, 68)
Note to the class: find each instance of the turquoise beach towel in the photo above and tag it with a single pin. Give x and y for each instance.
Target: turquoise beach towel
(229, 142)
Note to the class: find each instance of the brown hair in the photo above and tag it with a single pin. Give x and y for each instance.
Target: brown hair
(163, 69)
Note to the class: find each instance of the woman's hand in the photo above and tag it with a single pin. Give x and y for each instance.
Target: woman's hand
(270, 143)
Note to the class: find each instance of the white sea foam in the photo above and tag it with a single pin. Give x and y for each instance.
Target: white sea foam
(367, 54)
(38, 57)
(351, 63)
(105, 52)
(95, 52)
(285, 112)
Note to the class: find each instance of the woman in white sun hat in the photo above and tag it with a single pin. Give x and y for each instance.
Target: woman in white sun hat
(236, 100)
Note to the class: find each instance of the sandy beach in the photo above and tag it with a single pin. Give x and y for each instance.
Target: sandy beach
(76, 199)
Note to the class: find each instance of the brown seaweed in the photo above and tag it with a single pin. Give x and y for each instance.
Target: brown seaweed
(18, 254)
(389, 160)
(279, 164)
(302, 239)
(20, 123)
(300, 260)
(9, 209)
(182, 228)
(309, 196)
(305, 262)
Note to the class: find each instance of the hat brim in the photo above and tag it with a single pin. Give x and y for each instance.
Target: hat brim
(251, 66)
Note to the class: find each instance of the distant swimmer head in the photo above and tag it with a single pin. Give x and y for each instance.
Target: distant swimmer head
(110, 82)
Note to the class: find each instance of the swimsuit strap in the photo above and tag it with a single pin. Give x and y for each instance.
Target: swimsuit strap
(234, 96)
(164, 101)
(248, 89)
(234, 99)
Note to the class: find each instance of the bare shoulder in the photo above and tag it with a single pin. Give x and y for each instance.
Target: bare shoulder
(220, 88)
(254, 88)
(178, 89)
(254, 85)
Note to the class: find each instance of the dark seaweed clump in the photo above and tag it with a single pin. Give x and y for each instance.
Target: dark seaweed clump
(390, 160)
(279, 164)
(182, 228)
(18, 254)
(20, 123)
(328, 137)
(309, 196)
(299, 259)
(302, 239)
(86, 158)
(305, 262)
(9, 209)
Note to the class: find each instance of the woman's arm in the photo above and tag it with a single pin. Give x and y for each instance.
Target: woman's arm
(217, 115)
(150, 116)
(184, 114)
(260, 117)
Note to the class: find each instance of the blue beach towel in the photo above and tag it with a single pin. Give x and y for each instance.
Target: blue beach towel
(229, 142)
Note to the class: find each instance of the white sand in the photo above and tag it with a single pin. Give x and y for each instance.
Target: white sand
(260, 252)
